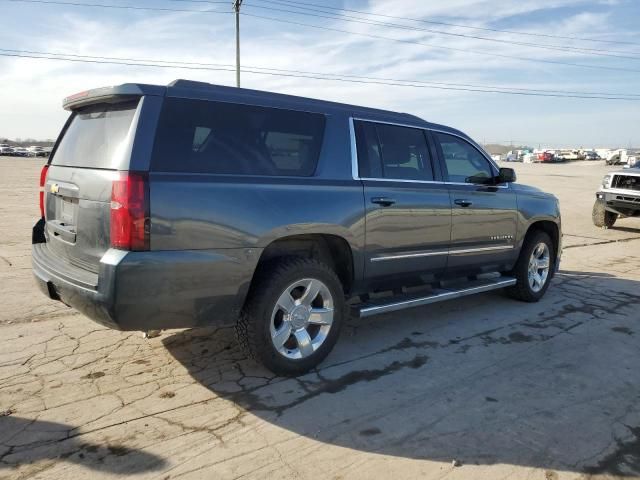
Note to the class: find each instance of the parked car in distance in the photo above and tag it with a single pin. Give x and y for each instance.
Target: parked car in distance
(632, 160)
(568, 155)
(591, 155)
(556, 156)
(514, 156)
(20, 152)
(210, 204)
(616, 156)
(603, 153)
(37, 151)
(545, 157)
(6, 150)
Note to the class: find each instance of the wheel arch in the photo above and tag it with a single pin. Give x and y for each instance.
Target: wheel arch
(333, 250)
(549, 227)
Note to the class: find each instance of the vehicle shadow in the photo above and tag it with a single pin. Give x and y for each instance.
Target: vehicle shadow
(24, 442)
(625, 229)
(483, 380)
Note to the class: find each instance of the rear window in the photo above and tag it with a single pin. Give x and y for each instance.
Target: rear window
(95, 136)
(197, 136)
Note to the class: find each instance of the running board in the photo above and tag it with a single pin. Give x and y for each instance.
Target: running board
(393, 304)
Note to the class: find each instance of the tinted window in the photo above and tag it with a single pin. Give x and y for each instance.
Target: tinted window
(369, 156)
(197, 136)
(393, 152)
(95, 135)
(465, 164)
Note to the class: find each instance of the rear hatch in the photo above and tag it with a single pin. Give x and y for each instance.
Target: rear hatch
(95, 144)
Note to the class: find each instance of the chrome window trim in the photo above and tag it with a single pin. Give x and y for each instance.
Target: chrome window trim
(402, 180)
(354, 154)
(428, 182)
(443, 252)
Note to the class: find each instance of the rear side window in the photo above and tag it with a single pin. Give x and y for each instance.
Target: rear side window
(197, 136)
(95, 136)
(392, 152)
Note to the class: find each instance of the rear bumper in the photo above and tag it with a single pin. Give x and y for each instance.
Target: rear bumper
(151, 290)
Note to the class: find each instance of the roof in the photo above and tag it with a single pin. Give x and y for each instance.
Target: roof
(202, 90)
(207, 91)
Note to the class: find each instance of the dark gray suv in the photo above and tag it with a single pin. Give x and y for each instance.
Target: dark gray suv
(194, 204)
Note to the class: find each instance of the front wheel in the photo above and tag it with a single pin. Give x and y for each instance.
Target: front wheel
(601, 216)
(293, 315)
(534, 268)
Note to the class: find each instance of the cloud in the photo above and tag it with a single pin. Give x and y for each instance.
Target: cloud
(34, 88)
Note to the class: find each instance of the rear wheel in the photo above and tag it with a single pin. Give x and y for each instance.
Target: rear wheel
(293, 315)
(601, 216)
(534, 268)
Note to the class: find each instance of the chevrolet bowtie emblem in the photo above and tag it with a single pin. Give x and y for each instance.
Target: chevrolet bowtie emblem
(55, 188)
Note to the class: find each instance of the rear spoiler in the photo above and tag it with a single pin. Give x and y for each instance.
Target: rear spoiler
(115, 94)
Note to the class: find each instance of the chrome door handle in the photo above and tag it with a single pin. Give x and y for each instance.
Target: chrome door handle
(463, 202)
(384, 201)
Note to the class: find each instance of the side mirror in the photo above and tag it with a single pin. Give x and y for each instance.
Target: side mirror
(507, 175)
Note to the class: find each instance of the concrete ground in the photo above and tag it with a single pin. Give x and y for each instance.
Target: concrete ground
(482, 388)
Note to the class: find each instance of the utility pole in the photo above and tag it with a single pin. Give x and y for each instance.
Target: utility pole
(236, 8)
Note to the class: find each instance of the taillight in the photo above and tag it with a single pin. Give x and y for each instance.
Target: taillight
(43, 180)
(130, 222)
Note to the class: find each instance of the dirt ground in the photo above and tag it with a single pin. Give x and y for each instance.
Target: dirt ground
(480, 388)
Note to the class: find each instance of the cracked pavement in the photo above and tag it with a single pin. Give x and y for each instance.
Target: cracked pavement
(483, 387)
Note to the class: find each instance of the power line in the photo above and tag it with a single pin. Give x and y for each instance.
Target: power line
(463, 50)
(433, 22)
(354, 19)
(306, 72)
(231, 68)
(380, 37)
(122, 7)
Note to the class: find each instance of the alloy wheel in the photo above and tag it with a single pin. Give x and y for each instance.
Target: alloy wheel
(302, 318)
(539, 265)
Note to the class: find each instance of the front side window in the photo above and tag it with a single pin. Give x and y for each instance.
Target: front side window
(197, 136)
(465, 164)
(392, 152)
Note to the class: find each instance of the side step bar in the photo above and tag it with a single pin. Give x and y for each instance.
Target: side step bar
(396, 303)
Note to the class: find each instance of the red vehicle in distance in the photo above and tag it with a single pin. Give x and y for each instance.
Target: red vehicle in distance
(545, 157)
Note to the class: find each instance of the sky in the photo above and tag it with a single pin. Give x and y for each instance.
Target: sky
(362, 43)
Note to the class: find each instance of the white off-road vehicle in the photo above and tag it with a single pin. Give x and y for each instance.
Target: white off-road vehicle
(618, 197)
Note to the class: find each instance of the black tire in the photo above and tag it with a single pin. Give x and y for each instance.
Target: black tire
(601, 216)
(253, 326)
(522, 290)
